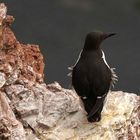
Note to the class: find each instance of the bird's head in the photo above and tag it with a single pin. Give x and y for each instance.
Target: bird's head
(94, 39)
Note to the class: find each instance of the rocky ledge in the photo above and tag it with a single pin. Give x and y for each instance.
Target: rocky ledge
(30, 109)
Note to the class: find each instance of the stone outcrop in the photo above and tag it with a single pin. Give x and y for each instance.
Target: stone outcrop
(30, 109)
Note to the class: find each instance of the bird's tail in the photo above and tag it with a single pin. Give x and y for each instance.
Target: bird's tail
(99, 103)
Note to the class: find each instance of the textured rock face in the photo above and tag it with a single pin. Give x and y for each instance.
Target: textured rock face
(30, 109)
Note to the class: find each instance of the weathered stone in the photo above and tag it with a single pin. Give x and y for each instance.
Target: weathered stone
(14, 89)
(10, 127)
(55, 109)
(116, 122)
(26, 105)
(3, 11)
(2, 79)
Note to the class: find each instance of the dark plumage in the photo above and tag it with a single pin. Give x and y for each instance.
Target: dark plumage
(91, 75)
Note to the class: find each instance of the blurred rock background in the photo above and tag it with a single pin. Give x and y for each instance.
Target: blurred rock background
(59, 27)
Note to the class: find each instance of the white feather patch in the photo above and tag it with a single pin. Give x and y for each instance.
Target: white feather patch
(103, 56)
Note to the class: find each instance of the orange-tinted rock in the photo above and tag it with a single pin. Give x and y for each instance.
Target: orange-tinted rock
(8, 20)
(33, 58)
(27, 58)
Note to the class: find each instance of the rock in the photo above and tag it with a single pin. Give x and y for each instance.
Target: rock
(120, 120)
(10, 127)
(3, 11)
(2, 79)
(30, 109)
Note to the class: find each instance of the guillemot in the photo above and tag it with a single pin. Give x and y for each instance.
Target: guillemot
(92, 76)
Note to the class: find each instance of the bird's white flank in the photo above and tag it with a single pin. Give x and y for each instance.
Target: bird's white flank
(103, 56)
(114, 76)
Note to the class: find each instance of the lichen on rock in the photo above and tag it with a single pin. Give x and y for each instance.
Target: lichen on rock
(30, 109)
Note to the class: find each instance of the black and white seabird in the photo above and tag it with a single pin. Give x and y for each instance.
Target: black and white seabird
(92, 76)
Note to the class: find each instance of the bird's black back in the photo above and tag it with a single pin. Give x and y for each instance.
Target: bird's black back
(91, 77)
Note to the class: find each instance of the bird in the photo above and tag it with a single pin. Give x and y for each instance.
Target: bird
(92, 76)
